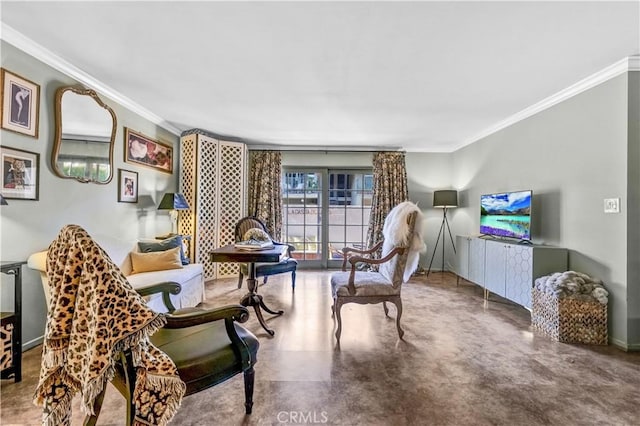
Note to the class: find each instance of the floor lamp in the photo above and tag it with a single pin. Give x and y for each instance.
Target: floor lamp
(445, 199)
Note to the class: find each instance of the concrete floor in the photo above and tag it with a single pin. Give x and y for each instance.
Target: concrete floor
(464, 361)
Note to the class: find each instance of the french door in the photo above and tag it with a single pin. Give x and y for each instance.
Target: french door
(325, 210)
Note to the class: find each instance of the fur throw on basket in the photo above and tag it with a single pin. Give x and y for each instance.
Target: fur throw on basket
(572, 284)
(95, 314)
(397, 233)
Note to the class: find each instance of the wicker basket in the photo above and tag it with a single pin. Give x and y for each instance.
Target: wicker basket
(569, 320)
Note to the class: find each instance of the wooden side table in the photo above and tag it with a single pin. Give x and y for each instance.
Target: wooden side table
(14, 320)
(270, 255)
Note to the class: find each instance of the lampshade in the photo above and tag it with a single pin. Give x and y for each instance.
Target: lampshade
(173, 201)
(3, 202)
(445, 198)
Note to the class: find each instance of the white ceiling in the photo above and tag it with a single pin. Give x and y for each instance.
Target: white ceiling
(420, 76)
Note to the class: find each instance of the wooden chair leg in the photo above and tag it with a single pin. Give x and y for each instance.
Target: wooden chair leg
(249, 377)
(398, 304)
(90, 420)
(338, 307)
(293, 280)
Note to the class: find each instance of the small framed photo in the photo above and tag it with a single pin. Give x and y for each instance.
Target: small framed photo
(141, 149)
(20, 104)
(127, 186)
(20, 172)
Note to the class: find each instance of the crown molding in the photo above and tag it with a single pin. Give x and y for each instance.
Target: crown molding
(319, 148)
(30, 47)
(631, 63)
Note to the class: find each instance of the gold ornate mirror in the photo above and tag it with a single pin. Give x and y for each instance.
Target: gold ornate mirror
(85, 134)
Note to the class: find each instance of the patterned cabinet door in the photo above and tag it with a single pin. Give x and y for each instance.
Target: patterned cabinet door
(476, 260)
(519, 264)
(494, 275)
(462, 256)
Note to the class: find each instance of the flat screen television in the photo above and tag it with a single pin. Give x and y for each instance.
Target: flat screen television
(506, 214)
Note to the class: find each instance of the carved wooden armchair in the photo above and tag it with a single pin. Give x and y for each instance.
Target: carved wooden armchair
(401, 247)
(265, 270)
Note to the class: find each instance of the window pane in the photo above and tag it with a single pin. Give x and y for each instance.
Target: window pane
(337, 215)
(354, 233)
(294, 234)
(334, 250)
(336, 233)
(312, 233)
(349, 197)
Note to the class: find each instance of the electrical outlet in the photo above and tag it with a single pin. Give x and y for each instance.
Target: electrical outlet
(612, 205)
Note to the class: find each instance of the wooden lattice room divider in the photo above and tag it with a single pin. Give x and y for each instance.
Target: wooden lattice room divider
(213, 180)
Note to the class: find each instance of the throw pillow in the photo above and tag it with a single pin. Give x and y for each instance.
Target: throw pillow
(169, 243)
(156, 261)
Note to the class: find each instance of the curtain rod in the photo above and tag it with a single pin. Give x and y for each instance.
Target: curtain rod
(325, 150)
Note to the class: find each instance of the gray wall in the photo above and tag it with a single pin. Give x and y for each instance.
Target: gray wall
(29, 226)
(573, 156)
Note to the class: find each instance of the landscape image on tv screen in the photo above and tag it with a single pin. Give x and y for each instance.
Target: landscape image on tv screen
(506, 215)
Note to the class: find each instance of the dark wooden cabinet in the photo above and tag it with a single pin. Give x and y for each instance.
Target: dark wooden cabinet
(11, 324)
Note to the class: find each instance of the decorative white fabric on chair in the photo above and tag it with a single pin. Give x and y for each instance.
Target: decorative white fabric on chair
(401, 249)
(397, 232)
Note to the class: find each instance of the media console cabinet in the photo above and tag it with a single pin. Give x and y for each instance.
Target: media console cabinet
(506, 268)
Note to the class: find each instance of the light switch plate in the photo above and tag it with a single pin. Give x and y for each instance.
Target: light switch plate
(612, 205)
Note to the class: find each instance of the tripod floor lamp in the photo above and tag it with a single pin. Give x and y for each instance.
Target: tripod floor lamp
(444, 199)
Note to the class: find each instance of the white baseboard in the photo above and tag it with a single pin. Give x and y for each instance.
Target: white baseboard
(32, 343)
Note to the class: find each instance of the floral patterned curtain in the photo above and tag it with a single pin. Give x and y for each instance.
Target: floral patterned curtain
(389, 190)
(265, 198)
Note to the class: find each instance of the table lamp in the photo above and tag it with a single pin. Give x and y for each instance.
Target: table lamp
(173, 202)
(444, 199)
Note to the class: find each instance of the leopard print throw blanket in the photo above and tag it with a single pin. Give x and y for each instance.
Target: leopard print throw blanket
(94, 315)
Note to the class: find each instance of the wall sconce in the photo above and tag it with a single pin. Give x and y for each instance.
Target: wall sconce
(145, 202)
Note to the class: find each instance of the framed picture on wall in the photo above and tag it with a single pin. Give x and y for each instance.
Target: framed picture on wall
(20, 102)
(20, 172)
(142, 150)
(127, 186)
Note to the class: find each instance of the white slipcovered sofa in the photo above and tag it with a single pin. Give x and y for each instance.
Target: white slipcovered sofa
(190, 277)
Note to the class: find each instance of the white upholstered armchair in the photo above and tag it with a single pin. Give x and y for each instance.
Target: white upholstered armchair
(401, 248)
